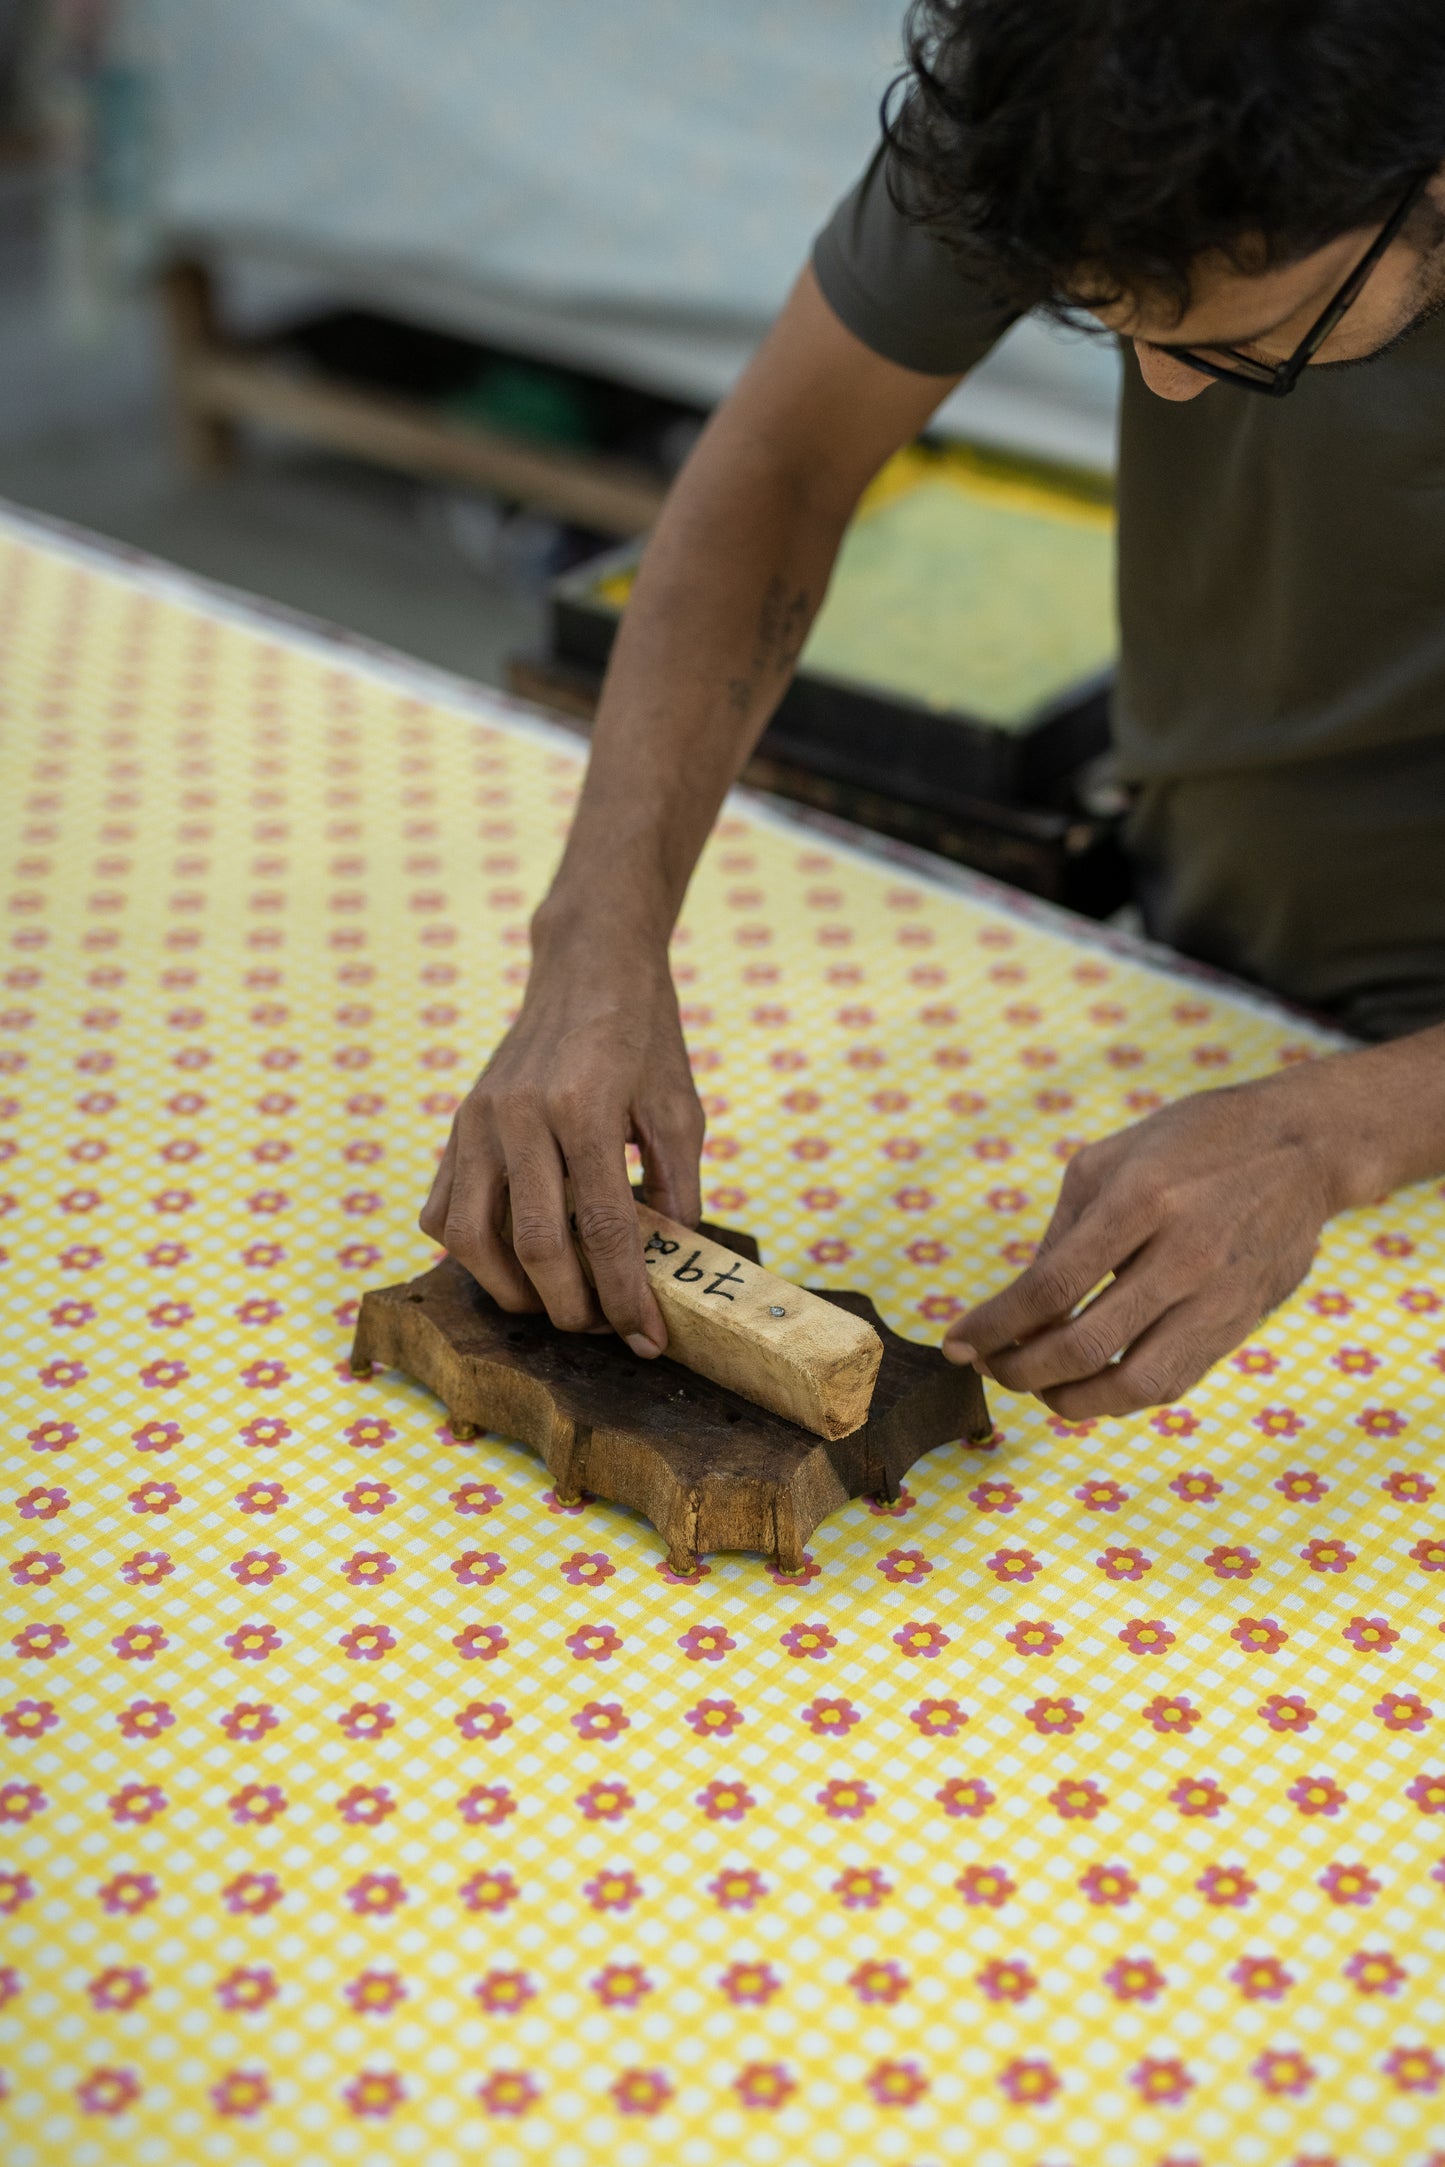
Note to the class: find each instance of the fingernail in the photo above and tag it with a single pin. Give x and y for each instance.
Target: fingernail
(983, 1369)
(958, 1350)
(641, 1345)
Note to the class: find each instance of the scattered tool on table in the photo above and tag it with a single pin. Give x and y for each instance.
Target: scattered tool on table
(763, 1419)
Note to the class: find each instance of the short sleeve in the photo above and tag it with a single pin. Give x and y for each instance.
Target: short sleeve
(897, 287)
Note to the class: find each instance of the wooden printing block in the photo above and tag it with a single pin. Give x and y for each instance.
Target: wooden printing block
(709, 1469)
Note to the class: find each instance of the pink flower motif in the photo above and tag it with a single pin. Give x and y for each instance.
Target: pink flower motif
(1171, 1714)
(252, 1643)
(1429, 1555)
(1262, 1978)
(918, 1638)
(1380, 1421)
(1113, 1885)
(375, 1993)
(367, 1719)
(1283, 2073)
(509, 2091)
(937, 1718)
(37, 1568)
(1034, 1636)
(122, 1896)
(368, 1431)
(240, 2094)
(1301, 1485)
(134, 1804)
(485, 1805)
(615, 1889)
(764, 2084)
(257, 1569)
(1232, 1561)
(1056, 1716)
(905, 1567)
(483, 1719)
(252, 1895)
(1428, 1793)
(844, 1798)
(1403, 1712)
(265, 1376)
(895, 2083)
(1328, 1557)
(1317, 1794)
(376, 1896)
(249, 1986)
(1198, 1797)
(587, 1568)
(1127, 1564)
(374, 2095)
(157, 1436)
(830, 1718)
(146, 1569)
(140, 1643)
(32, 1718)
(641, 2091)
(738, 1888)
(706, 1643)
(59, 1376)
(1414, 2069)
(1287, 1712)
(257, 1803)
(990, 1885)
(1408, 1487)
(1279, 1422)
(1375, 1971)
(605, 1801)
(369, 1497)
(1356, 1361)
(366, 1805)
(995, 1497)
(1029, 2081)
(33, 1643)
(600, 1719)
(1135, 1978)
(620, 1986)
(1014, 1566)
(1372, 1636)
(493, 1891)
(593, 1643)
(249, 1721)
(20, 1802)
(53, 1436)
(484, 1643)
(1196, 1486)
(503, 1993)
(262, 1497)
(1347, 1882)
(1100, 1496)
(1162, 2081)
(1078, 1798)
(108, 2091)
(119, 1987)
(722, 1801)
(265, 1430)
(750, 1985)
(808, 1641)
(1259, 1636)
(43, 1504)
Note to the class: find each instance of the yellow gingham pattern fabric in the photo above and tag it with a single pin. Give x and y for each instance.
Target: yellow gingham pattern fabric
(1084, 1809)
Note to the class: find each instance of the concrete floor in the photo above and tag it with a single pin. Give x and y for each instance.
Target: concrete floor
(84, 435)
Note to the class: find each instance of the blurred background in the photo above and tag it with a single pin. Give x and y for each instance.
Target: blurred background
(405, 312)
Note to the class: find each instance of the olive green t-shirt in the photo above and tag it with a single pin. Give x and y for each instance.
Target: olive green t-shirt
(1282, 607)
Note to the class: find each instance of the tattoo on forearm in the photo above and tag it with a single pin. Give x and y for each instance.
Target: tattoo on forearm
(782, 628)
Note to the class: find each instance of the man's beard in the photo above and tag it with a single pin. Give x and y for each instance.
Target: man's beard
(1429, 303)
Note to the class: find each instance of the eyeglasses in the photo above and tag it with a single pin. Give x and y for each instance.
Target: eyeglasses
(1276, 379)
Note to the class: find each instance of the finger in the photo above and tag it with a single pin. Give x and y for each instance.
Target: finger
(1056, 1283)
(605, 1218)
(471, 1231)
(1158, 1369)
(541, 1238)
(670, 1139)
(1088, 1341)
(432, 1218)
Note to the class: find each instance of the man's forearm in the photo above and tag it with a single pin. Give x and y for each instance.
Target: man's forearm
(730, 584)
(1379, 1115)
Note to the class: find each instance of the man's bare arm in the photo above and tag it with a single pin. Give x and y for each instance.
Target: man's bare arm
(731, 581)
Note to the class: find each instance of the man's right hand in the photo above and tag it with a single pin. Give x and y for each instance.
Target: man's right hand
(595, 1061)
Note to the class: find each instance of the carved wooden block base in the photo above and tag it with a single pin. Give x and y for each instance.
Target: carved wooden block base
(710, 1470)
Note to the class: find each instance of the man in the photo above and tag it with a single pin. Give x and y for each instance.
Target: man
(1251, 196)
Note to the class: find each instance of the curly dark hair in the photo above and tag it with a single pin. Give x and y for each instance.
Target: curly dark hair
(1108, 144)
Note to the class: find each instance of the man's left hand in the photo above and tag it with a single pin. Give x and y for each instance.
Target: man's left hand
(1200, 1218)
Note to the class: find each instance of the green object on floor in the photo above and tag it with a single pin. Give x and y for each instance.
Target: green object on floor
(522, 399)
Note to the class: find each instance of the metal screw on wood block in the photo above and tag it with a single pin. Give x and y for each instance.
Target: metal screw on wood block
(362, 1369)
(463, 1432)
(776, 1309)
